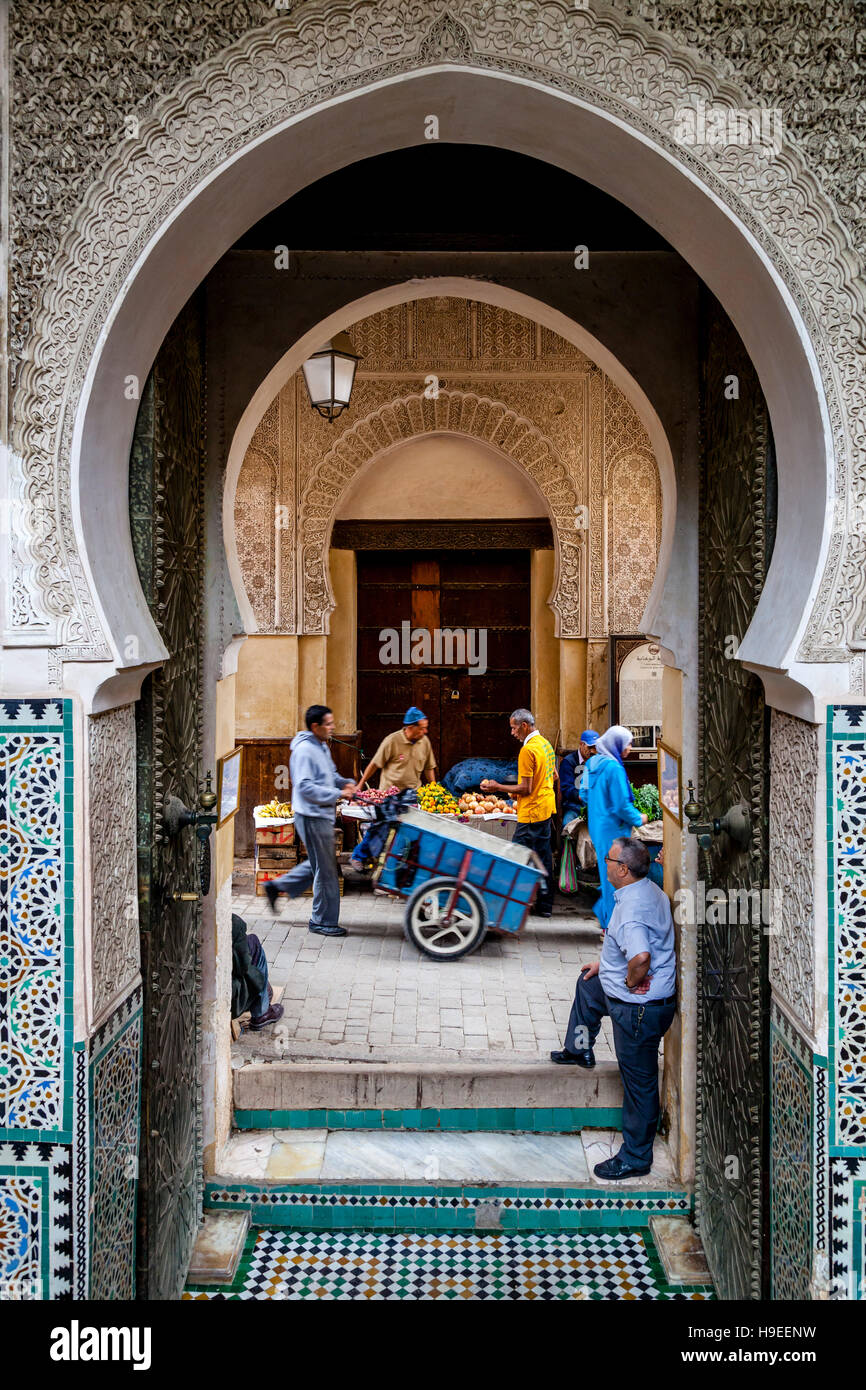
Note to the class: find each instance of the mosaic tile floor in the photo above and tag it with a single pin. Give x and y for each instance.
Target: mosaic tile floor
(520, 1266)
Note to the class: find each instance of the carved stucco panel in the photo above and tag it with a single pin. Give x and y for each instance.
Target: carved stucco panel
(633, 538)
(793, 816)
(125, 191)
(113, 855)
(255, 517)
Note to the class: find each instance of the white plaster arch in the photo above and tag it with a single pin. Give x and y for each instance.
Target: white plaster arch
(597, 96)
(460, 287)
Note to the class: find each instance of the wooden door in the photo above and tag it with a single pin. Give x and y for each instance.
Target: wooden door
(452, 591)
(736, 527)
(167, 518)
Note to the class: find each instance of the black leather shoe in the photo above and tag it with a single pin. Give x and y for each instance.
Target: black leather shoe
(329, 931)
(272, 893)
(613, 1169)
(574, 1059)
(273, 1015)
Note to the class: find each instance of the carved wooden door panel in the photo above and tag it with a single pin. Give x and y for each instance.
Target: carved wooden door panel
(736, 523)
(166, 509)
(484, 593)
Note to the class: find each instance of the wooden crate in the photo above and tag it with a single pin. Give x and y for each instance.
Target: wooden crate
(280, 835)
(263, 875)
(271, 859)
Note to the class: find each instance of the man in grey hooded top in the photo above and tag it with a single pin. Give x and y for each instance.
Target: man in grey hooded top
(316, 788)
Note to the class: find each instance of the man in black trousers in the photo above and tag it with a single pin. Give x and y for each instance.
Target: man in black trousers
(635, 983)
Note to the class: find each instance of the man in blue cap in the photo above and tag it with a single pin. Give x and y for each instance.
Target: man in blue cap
(570, 773)
(403, 759)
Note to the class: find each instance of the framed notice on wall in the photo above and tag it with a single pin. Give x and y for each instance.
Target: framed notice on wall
(228, 785)
(636, 690)
(670, 783)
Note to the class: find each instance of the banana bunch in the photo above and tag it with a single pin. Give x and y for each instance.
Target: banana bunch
(275, 808)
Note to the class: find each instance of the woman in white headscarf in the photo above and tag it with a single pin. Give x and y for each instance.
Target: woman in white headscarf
(610, 808)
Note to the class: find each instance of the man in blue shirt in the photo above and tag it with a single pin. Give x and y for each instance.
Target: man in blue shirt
(571, 770)
(635, 983)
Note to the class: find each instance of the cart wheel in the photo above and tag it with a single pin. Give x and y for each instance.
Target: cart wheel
(425, 926)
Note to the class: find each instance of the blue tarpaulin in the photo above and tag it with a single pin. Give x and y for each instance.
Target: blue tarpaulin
(468, 775)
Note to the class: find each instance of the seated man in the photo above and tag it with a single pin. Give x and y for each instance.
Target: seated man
(570, 773)
(250, 989)
(635, 984)
(404, 759)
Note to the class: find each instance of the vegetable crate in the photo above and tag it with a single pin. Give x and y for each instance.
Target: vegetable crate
(459, 883)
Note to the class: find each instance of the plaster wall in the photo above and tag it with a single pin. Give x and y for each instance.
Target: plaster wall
(342, 643)
(439, 480)
(267, 687)
(680, 1047)
(544, 653)
(573, 692)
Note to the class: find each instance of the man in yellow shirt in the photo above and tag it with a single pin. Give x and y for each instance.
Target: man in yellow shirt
(535, 792)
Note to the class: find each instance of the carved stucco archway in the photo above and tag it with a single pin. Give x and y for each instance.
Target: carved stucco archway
(452, 412)
(669, 569)
(594, 94)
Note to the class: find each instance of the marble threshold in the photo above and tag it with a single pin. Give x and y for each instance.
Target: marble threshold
(320, 1155)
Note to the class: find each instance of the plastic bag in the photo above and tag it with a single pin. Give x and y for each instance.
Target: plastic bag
(568, 869)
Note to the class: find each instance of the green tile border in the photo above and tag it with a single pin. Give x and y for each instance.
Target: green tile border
(326, 1206)
(563, 1120)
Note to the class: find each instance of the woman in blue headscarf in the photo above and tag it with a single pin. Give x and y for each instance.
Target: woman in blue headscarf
(610, 808)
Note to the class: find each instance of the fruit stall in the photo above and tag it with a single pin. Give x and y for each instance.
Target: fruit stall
(495, 815)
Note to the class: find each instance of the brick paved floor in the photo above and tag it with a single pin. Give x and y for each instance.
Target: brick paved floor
(372, 995)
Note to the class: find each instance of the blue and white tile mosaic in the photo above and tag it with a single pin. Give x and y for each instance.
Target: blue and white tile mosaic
(36, 889)
(846, 1060)
(846, 780)
(39, 1262)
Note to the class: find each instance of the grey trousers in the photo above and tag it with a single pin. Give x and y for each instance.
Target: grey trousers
(319, 868)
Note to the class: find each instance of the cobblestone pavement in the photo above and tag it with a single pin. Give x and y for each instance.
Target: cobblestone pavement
(372, 995)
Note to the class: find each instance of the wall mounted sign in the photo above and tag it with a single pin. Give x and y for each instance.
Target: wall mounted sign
(670, 783)
(636, 689)
(228, 785)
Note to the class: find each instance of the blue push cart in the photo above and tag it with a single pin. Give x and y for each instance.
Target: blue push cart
(459, 883)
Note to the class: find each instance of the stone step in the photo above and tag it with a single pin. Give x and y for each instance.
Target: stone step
(465, 1096)
(438, 1181)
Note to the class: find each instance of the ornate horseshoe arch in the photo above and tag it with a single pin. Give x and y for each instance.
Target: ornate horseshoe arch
(592, 92)
(453, 412)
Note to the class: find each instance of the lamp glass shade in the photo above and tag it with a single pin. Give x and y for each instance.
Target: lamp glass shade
(330, 376)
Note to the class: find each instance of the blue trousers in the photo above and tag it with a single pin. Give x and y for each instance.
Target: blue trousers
(262, 1002)
(637, 1031)
(319, 869)
(536, 835)
(372, 844)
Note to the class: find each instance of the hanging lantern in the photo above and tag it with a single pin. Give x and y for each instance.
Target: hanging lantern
(330, 376)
